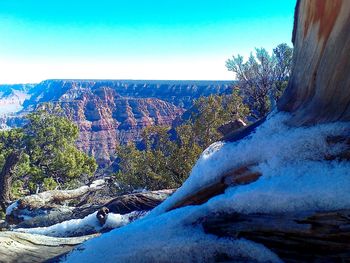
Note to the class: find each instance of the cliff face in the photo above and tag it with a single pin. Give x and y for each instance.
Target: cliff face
(179, 93)
(110, 112)
(107, 119)
(319, 87)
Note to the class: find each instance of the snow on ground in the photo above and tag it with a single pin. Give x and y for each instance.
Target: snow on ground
(78, 227)
(295, 178)
(170, 237)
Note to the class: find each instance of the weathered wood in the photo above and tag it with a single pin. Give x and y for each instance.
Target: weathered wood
(345, 153)
(143, 201)
(231, 126)
(48, 205)
(238, 176)
(49, 198)
(243, 132)
(318, 90)
(47, 216)
(299, 237)
(23, 248)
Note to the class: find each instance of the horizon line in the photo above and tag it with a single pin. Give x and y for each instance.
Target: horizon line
(122, 80)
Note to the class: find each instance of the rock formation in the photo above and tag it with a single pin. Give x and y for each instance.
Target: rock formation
(110, 112)
(179, 93)
(55, 206)
(106, 119)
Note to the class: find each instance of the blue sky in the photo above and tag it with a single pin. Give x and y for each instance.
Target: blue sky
(154, 39)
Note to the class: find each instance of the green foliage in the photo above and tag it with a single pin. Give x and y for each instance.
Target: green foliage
(212, 112)
(166, 163)
(151, 168)
(50, 142)
(49, 155)
(17, 189)
(2, 215)
(207, 118)
(49, 184)
(263, 77)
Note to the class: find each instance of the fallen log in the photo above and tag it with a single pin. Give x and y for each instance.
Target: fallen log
(57, 196)
(23, 247)
(44, 203)
(299, 237)
(125, 204)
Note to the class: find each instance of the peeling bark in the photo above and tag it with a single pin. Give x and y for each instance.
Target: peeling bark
(318, 90)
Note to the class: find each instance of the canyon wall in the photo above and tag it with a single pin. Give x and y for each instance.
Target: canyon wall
(113, 112)
(106, 119)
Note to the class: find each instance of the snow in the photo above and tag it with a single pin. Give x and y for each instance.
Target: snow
(284, 155)
(170, 237)
(295, 177)
(11, 207)
(312, 186)
(78, 227)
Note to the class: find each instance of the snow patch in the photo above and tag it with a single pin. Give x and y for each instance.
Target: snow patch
(78, 227)
(170, 237)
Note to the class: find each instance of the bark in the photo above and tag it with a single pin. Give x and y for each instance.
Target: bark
(6, 176)
(305, 237)
(318, 90)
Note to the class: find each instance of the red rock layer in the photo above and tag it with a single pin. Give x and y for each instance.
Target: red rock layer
(106, 119)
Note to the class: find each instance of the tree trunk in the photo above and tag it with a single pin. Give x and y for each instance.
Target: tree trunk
(6, 177)
(318, 90)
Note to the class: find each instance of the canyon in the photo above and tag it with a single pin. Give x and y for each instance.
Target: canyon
(108, 112)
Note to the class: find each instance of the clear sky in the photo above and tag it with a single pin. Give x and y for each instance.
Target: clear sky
(135, 39)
